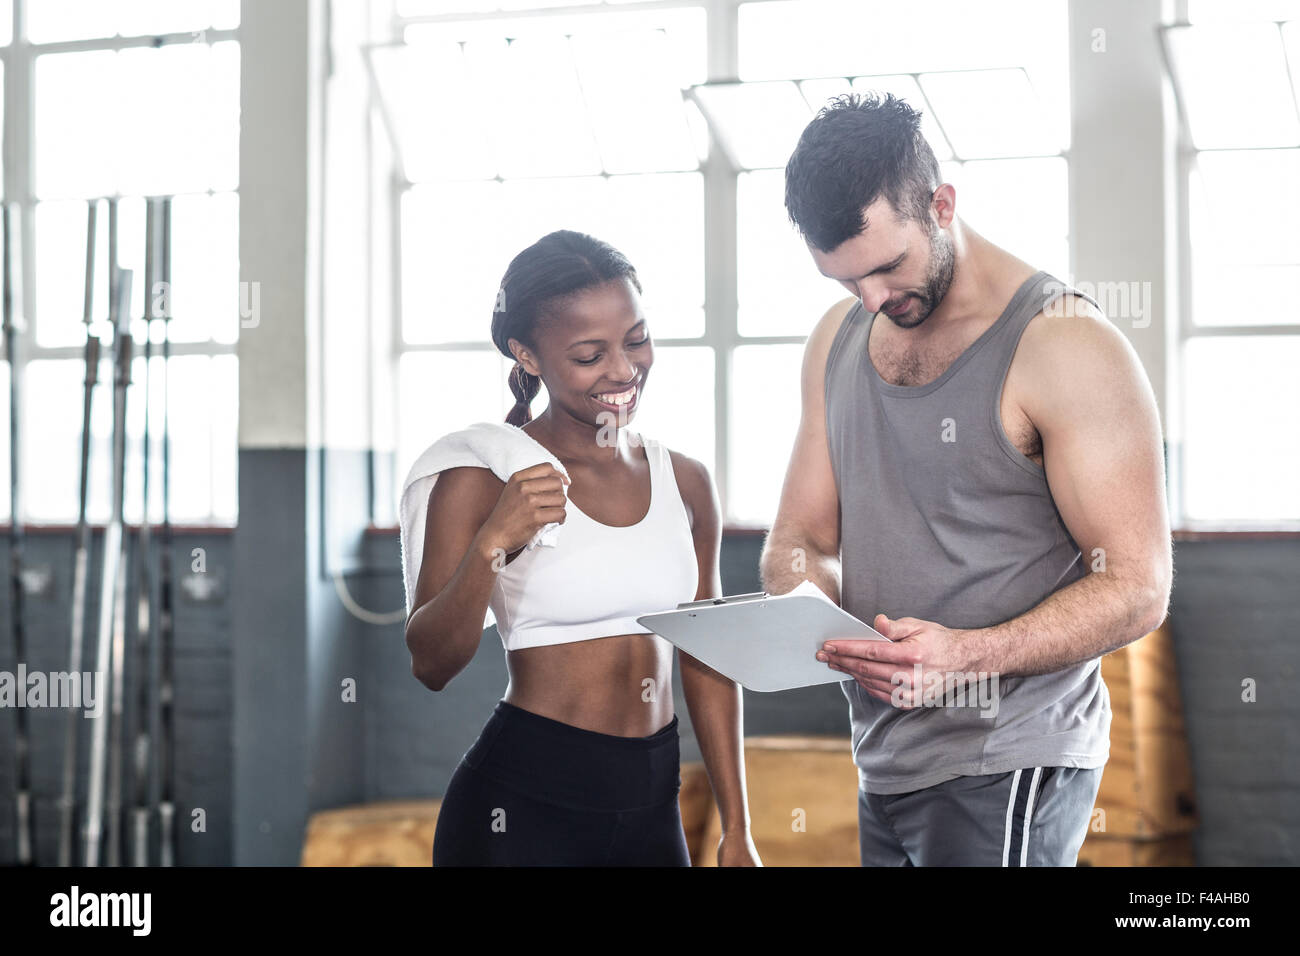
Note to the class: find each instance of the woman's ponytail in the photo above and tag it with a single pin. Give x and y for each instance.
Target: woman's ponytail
(524, 386)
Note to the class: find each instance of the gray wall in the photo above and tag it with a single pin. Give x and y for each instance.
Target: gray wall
(203, 686)
(1236, 615)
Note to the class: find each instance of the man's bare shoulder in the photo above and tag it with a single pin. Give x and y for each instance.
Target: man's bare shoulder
(1072, 346)
(1070, 324)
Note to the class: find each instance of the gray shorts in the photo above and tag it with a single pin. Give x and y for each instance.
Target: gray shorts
(1037, 816)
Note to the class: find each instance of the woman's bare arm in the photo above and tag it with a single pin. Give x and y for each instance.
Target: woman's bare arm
(715, 702)
(474, 522)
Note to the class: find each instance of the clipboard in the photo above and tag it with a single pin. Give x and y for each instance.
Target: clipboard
(763, 642)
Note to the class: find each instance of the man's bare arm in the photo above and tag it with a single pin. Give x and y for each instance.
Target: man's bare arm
(805, 538)
(1088, 396)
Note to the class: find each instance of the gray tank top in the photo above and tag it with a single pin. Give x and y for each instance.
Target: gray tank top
(943, 519)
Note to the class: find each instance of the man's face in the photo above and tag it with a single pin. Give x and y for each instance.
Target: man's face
(895, 266)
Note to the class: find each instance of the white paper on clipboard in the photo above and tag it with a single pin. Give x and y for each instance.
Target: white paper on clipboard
(763, 642)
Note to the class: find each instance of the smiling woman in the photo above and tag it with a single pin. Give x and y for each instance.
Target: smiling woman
(578, 763)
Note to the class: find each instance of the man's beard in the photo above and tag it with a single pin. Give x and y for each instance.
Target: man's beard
(943, 262)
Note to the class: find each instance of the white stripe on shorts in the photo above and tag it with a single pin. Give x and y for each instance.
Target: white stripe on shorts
(1029, 815)
(1011, 806)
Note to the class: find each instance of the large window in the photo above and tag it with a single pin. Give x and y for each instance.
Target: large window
(126, 100)
(1236, 71)
(664, 128)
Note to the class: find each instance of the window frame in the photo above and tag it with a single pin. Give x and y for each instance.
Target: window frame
(19, 144)
(1183, 328)
(720, 183)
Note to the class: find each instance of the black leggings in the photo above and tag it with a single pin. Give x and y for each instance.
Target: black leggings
(533, 791)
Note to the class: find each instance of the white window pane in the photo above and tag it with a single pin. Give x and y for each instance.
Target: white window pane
(677, 408)
(541, 4)
(458, 240)
(205, 293)
(2, 93)
(1204, 11)
(780, 291)
(1291, 41)
(1243, 294)
(60, 269)
(144, 121)
(1236, 196)
(533, 208)
(1234, 85)
(415, 8)
(765, 407)
(1242, 253)
(79, 126)
(658, 223)
(156, 83)
(635, 106)
(682, 27)
(223, 389)
(4, 451)
(6, 26)
(1242, 450)
(221, 94)
(442, 392)
(1020, 204)
(453, 258)
(410, 8)
(52, 20)
(758, 123)
(140, 17)
(990, 113)
(541, 127)
(436, 109)
(808, 38)
(203, 398)
(52, 441)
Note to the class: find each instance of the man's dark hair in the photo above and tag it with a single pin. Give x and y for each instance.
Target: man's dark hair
(858, 148)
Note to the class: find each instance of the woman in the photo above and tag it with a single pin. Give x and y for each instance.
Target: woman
(578, 764)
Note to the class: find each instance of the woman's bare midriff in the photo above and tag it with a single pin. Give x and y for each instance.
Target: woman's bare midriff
(620, 685)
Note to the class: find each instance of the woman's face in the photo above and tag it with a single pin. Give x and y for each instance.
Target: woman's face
(594, 352)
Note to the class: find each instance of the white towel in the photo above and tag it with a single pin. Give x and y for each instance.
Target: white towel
(498, 446)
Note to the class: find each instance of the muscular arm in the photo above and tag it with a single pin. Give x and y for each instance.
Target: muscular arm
(715, 703)
(805, 538)
(1088, 397)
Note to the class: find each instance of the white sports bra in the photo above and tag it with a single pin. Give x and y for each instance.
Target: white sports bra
(599, 578)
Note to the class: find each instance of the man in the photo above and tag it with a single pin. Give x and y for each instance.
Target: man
(978, 473)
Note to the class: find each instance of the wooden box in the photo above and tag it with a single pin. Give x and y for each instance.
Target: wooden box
(803, 803)
(1146, 790)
